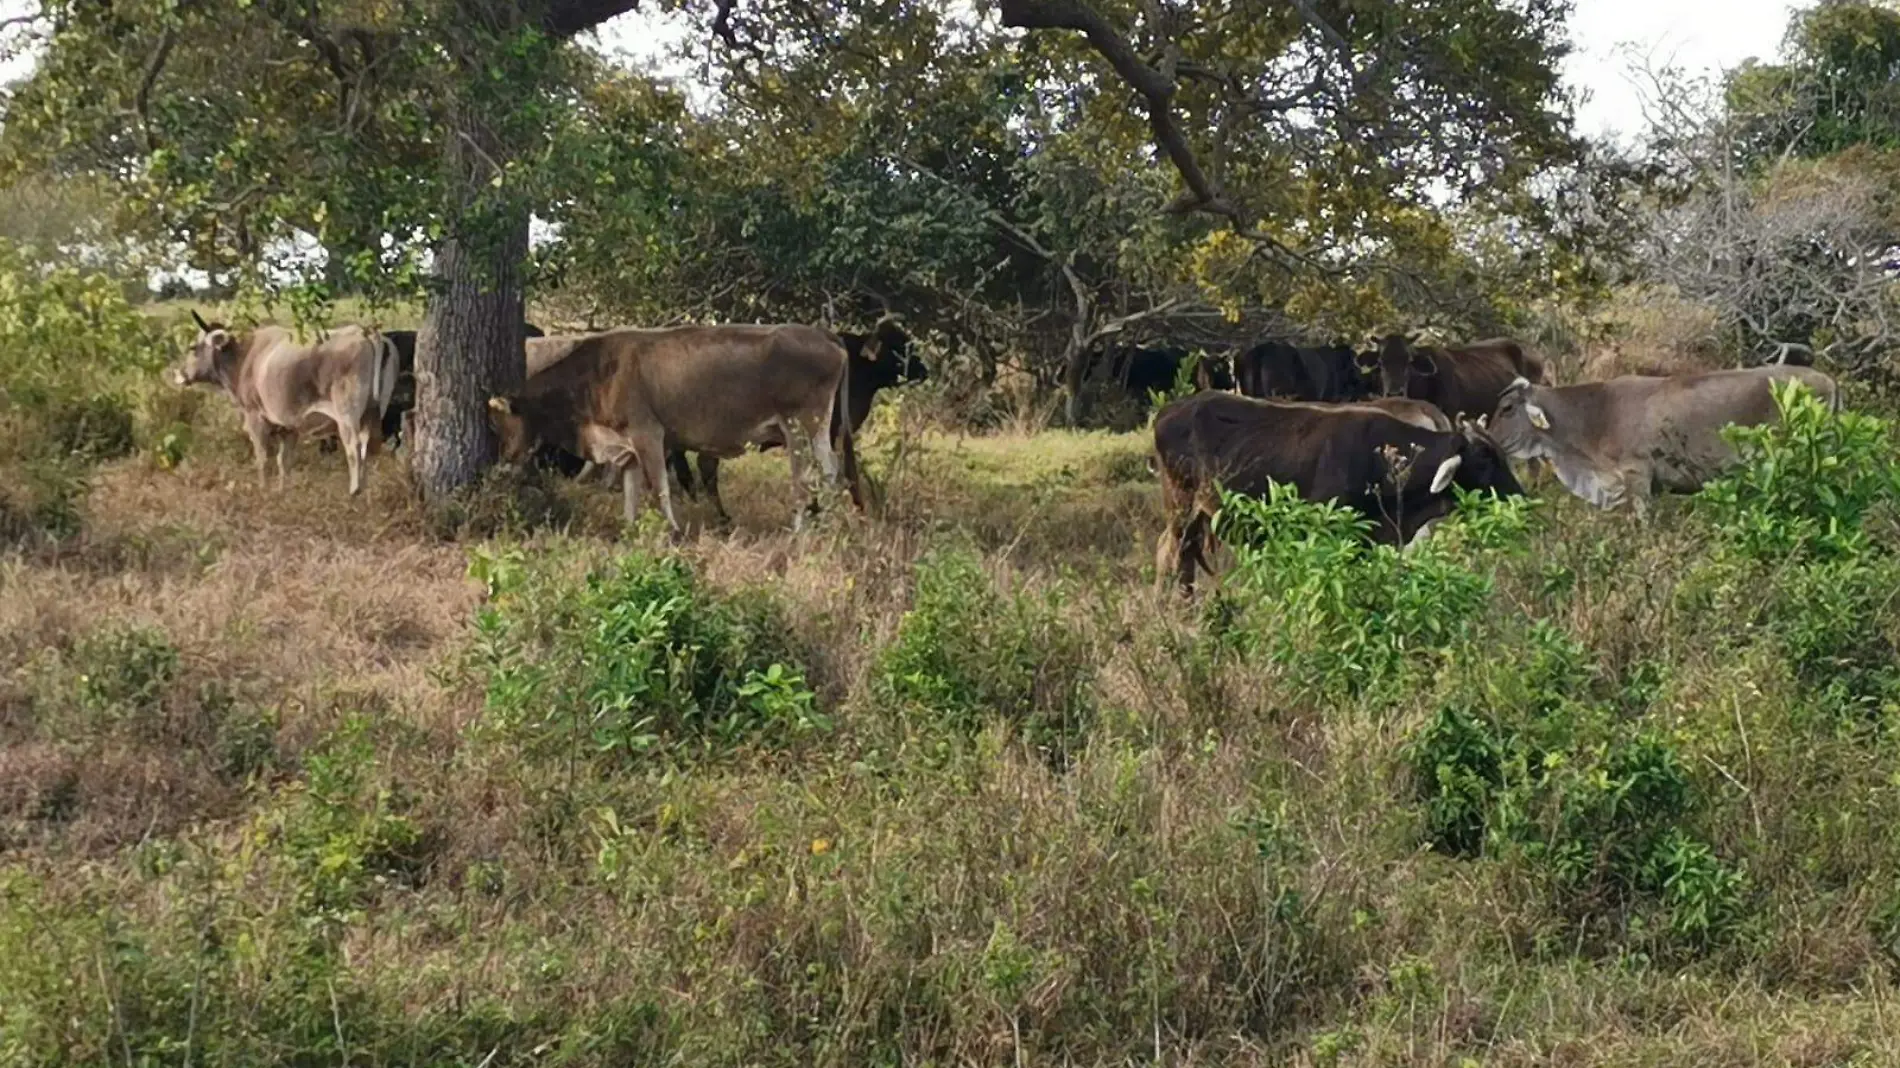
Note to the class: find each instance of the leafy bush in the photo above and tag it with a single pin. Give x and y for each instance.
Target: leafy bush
(967, 650)
(1806, 551)
(1805, 486)
(1347, 617)
(1597, 803)
(122, 672)
(72, 351)
(631, 656)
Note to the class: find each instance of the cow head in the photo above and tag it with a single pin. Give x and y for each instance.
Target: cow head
(1399, 360)
(1522, 421)
(1483, 466)
(1214, 371)
(511, 430)
(209, 357)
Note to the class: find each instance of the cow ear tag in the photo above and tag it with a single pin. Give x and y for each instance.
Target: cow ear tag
(1538, 418)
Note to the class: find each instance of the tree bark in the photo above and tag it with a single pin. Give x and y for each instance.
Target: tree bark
(470, 344)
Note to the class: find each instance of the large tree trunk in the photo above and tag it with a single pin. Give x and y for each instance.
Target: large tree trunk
(470, 344)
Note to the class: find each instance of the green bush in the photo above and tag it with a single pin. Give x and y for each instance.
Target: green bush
(967, 650)
(121, 673)
(73, 354)
(1345, 617)
(1808, 554)
(630, 657)
(1529, 765)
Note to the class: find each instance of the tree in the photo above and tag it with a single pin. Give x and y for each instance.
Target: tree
(394, 133)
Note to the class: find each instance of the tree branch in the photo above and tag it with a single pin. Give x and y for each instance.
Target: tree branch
(565, 18)
(142, 100)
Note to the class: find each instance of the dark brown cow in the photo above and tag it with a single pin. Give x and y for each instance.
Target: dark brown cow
(283, 386)
(874, 363)
(1212, 441)
(617, 397)
(1464, 382)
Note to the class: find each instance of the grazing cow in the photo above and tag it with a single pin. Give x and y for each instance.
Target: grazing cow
(1464, 382)
(1330, 374)
(1215, 371)
(283, 386)
(615, 398)
(1620, 440)
(1329, 453)
(402, 400)
(873, 364)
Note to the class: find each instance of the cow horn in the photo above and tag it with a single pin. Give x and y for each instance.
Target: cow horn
(1520, 382)
(1445, 472)
(203, 326)
(500, 404)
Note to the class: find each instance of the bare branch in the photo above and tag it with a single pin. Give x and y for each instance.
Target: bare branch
(142, 99)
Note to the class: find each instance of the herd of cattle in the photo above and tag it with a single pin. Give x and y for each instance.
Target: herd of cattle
(1388, 433)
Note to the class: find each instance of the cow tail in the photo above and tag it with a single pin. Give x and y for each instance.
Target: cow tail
(383, 372)
(846, 447)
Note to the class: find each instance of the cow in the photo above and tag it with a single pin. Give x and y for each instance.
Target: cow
(1463, 382)
(403, 399)
(1142, 372)
(1618, 441)
(1329, 374)
(283, 386)
(873, 363)
(1341, 453)
(615, 398)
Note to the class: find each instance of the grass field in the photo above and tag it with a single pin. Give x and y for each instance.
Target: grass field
(294, 778)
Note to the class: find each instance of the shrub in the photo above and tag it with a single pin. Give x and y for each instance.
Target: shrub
(632, 656)
(72, 352)
(1806, 552)
(1806, 485)
(1346, 617)
(967, 650)
(1526, 765)
(122, 672)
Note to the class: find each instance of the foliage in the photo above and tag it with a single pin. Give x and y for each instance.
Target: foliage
(633, 657)
(1601, 807)
(1809, 550)
(1347, 617)
(71, 352)
(966, 651)
(1806, 485)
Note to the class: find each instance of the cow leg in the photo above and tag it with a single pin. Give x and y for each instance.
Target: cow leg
(796, 459)
(649, 451)
(258, 429)
(709, 482)
(351, 438)
(632, 490)
(676, 463)
(283, 458)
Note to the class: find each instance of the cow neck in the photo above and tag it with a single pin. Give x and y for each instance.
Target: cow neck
(228, 366)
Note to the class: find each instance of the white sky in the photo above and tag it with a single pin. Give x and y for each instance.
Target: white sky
(1700, 36)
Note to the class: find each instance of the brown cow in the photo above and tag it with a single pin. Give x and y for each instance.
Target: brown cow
(1464, 381)
(1618, 441)
(283, 386)
(618, 397)
(1214, 441)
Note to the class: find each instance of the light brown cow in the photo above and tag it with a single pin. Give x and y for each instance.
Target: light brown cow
(619, 398)
(1620, 440)
(283, 386)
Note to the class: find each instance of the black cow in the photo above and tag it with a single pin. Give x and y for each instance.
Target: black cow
(1212, 441)
(1330, 374)
(403, 400)
(874, 363)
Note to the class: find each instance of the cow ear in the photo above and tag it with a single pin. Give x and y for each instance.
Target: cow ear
(218, 339)
(501, 404)
(1422, 359)
(1537, 416)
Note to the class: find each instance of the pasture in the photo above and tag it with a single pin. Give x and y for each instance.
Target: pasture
(296, 778)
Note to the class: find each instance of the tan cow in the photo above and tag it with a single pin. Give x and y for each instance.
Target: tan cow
(1620, 440)
(619, 398)
(283, 386)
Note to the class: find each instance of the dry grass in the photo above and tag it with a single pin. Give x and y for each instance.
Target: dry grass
(1226, 874)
